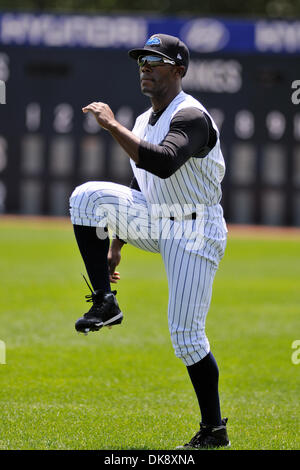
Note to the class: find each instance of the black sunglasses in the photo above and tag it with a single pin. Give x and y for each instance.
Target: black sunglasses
(154, 60)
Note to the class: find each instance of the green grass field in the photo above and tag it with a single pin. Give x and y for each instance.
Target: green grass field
(124, 388)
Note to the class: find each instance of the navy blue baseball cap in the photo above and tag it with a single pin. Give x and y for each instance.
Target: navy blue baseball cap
(167, 46)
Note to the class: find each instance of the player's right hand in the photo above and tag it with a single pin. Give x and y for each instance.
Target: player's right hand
(102, 112)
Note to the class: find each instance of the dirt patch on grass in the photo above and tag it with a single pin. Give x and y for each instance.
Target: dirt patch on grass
(36, 221)
(262, 231)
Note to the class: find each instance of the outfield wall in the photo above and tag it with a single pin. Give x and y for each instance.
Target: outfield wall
(247, 73)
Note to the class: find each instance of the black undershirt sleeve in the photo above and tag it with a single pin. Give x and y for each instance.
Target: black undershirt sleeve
(191, 134)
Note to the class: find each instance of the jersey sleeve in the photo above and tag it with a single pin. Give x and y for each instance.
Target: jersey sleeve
(134, 184)
(191, 134)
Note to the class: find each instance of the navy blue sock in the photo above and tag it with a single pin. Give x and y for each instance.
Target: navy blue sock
(205, 379)
(94, 254)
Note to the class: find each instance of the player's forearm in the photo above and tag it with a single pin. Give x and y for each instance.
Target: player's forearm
(117, 244)
(128, 141)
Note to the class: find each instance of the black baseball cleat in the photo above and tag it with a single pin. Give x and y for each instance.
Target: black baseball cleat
(105, 311)
(208, 437)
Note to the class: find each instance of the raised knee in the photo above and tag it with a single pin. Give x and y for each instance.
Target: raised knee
(85, 189)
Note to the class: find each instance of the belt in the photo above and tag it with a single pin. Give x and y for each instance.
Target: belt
(191, 216)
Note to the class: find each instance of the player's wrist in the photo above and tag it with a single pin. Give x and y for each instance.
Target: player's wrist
(112, 126)
(117, 244)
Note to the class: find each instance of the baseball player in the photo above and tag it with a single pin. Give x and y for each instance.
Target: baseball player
(172, 208)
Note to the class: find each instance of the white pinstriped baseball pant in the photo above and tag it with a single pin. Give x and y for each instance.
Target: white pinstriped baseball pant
(190, 271)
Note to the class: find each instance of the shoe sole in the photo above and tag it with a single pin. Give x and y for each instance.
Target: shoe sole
(116, 320)
(202, 448)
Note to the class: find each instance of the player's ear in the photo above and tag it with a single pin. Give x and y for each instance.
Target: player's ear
(180, 69)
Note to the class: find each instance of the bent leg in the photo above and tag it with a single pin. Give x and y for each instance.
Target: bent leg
(96, 206)
(123, 210)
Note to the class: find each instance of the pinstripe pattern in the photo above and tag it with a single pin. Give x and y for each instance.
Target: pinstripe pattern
(198, 180)
(190, 279)
(190, 271)
(122, 209)
(190, 266)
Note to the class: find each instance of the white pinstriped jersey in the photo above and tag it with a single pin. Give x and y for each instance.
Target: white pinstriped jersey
(198, 181)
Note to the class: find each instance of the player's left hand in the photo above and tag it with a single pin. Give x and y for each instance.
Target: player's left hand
(102, 112)
(114, 277)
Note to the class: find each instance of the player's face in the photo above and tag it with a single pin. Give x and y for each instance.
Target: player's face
(156, 80)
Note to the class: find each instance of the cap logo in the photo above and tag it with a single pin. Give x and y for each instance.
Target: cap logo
(179, 56)
(153, 41)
